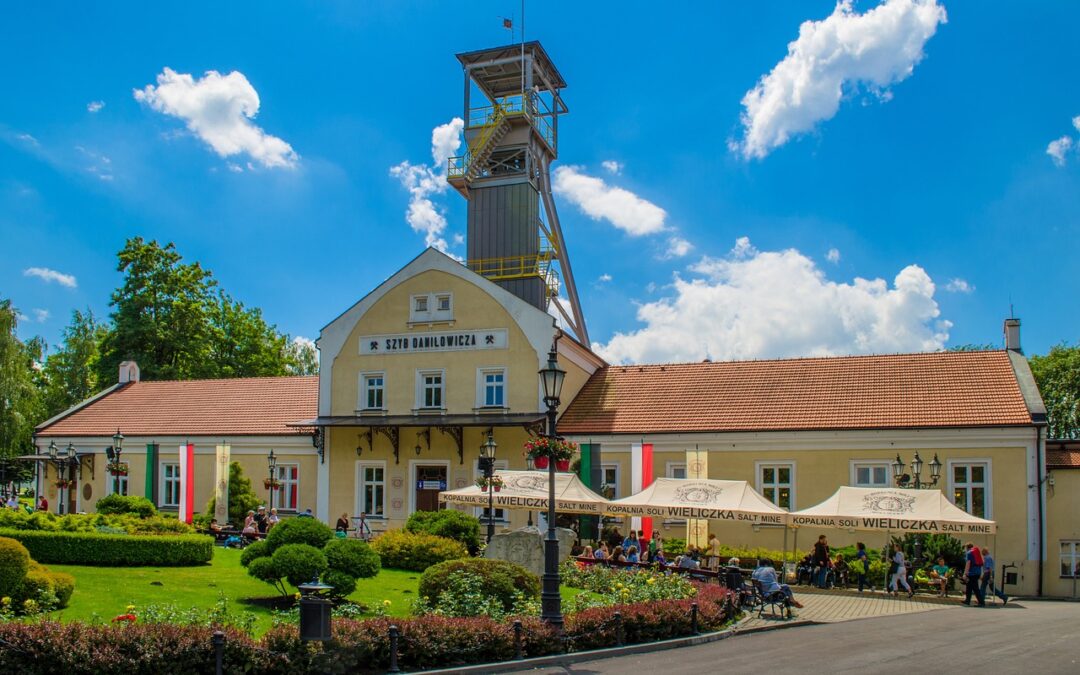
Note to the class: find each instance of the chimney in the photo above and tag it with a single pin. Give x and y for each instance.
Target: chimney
(129, 372)
(1012, 335)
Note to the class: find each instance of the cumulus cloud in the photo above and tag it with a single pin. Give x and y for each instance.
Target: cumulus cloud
(598, 200)
(833, 255)
(51, 276)
(95, 106)
(604, 278)
(219, 109)
(959, 286)
(40, 315)
(1058, 148)
(845, 51)
(766, 304)
(426, 181)
(28, 139)
(611, 166)
(677, 247)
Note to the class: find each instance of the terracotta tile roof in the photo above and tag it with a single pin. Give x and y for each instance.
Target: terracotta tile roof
(1063, 454)
(236, 407)
(939, 389)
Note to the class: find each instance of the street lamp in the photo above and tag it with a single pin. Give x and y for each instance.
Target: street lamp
(118, 442)
(551, 377)
(271, 464)
(915, 482)
(487, 465)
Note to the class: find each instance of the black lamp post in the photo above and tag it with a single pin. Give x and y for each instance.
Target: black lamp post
(551, 376)
(487, 465)
(914, 481)
(118, 442)
(271, 464)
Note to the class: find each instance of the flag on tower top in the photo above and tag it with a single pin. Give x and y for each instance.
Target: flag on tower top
(508, 24)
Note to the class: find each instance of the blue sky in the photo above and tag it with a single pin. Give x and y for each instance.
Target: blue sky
(936, 157)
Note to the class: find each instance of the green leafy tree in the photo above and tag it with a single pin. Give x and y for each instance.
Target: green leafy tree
(1058, 376)
(301, 357)
(71, 373)
(21, 404)
(242, 344)
(242, 497)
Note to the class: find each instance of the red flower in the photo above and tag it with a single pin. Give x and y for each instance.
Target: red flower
(129, 618)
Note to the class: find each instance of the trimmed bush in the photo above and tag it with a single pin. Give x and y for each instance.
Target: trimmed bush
(299, 531)
(403, 550)
(447, 523)
(36, 583)
(263, 569)
(63, 586)
(298, 563)
(117, 504)
(343, 583)
(114, 550)
(254, 550)
(353, 557)
(500, 579)
(125, 523)
(14, 563)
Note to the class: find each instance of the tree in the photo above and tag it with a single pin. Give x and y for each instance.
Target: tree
(242, 344)
(21, 405)
(301, 357)
(242, 497)
(71, 373)
(1058, 377)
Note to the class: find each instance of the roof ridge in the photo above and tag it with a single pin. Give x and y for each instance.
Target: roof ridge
(831, 357)
(230, 379)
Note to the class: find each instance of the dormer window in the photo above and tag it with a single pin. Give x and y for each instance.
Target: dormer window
(442, 302)
(431, 308)
(420, 304)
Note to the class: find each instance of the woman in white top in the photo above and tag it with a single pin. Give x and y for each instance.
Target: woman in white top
(900, 575)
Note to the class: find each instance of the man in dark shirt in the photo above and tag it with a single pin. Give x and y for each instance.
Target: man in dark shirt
(821, 560)
(973, 568)
(260, 520)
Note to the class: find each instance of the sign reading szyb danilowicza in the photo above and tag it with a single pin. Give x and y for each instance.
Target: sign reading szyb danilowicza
(443, 341)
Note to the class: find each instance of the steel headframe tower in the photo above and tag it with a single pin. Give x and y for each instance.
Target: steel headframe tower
(511, 139)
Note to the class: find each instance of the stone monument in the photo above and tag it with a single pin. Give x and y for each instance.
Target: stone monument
(525, 546)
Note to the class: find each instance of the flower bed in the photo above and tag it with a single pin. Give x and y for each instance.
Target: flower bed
(114, 550)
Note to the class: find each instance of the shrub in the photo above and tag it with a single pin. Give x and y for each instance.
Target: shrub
(254, 550)
(35, 585)
(14, 563)
(403, 550)
(447, 523)
(299, 531)
(242, 497)
(298, 563)
(343, 583)
(502, 580)
(114, 550)
(115, 504)
(263, 569)
(63, 586)
(674, 546)
(353, 557)
(95, 522)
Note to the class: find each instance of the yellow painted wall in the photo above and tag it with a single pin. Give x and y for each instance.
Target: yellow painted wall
(1063, 524)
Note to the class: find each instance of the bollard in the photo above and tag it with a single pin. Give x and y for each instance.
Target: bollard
(393, 650)
(517, 640)
(218, 640)
(693, 618)
(618, 629)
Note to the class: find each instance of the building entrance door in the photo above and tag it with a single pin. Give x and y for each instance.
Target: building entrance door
(430, 480)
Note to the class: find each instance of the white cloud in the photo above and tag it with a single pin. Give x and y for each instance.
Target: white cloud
(1076, 122)
(604, 278)
(1057, 149)
(612, 166)
(833, 255)
(848, 50)
(40, 315)
(765, 304)
(218, 109)
(678, 247)
(301, 341)
(100, 165)
(622, 208)
(424, 181)
(48, 275)
(95, 106)
(28, 139)
(959, 286)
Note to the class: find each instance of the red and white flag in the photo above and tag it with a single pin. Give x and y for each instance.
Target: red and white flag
(187, 482)
(641, 477)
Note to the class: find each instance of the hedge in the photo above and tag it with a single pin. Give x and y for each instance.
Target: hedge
(499, 579)
(447, 523)
(415, 551)
(114, 550)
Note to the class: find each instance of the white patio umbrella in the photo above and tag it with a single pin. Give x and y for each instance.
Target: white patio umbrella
(528, 490)
(730, 500)
(892, 509)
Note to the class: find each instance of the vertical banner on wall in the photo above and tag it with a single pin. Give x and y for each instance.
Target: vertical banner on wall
(641, 477)
(150, 491)
(588, 527)
(221, 483)
(187, 481)
(697, 466)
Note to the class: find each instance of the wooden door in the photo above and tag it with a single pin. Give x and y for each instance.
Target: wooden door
(430, 480)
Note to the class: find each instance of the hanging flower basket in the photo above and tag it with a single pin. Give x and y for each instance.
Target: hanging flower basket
(117, 468)
(562, 465)
(495, 483)
(542, 450)
(271, 484)
(65, 483)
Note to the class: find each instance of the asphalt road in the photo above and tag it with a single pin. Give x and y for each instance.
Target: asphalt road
(1033, 637)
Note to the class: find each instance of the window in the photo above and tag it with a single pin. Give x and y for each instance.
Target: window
(970, 486)
(442, 303)
(431, 389)
(372, 391)
(1070, 559)
(170, 485)
(110, 484)
(676, 470)
(420, 304)
(287, 496)
(372, 493)
(776, 482)
(431, 307)
(609, 483)
(482, 513)
(870, 474)
(492, 392)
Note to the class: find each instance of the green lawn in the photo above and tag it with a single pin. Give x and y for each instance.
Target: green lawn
(102, 593)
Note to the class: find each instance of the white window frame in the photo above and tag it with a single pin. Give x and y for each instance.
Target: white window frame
(362, 403)
(163, 486)
(361, 484)
(276, 495)
(110, 484)
(481, 387)
(761, 465)
(439, 297)
(871, 464)
(421, 304)
(669, 471)
(431, 312)
(604, 466)
(1073, 556)
(501, 515)
(987, 484)
(420, 390)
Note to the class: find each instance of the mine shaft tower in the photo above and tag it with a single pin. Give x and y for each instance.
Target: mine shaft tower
(511, 138)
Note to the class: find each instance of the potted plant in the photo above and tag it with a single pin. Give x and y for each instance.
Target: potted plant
(117, 468)
(544, 450)
(271, 483)
(495, 483)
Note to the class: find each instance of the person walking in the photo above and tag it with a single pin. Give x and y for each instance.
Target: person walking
(862, 566)
(899, 576)
(988, 578)
(822, 561)
(973, 568)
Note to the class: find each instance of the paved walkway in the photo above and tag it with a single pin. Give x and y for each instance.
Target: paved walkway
(834, 606)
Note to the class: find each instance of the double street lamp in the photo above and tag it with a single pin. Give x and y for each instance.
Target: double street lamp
(271, 465)
(66, 462)
(487, 465)
(914, 481)
(118, 443)
(551, 377)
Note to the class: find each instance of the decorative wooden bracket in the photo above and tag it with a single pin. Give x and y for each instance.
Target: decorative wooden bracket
(457, 434)
(318, 440)
(360, 438)
(392, 433)
(535, 429)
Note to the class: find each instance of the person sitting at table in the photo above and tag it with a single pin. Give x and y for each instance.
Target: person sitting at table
(688, 561)
(765, 575)
(659, 558)
(804, 569)
(840, 571)
(601, 553)
(250, 528)
(214, 526)
(939, 577)
(617, 554)
(632, 555)
(587, 553)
